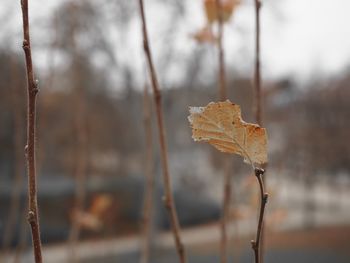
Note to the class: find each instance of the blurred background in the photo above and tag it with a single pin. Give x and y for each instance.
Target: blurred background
(92, 153)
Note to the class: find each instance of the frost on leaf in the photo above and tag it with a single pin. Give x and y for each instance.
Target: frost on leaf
(221, 125)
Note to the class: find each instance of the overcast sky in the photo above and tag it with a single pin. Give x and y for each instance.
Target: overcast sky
(299, 37)
(314, 36)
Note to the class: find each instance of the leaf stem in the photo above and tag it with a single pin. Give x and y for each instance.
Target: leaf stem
(168, 195)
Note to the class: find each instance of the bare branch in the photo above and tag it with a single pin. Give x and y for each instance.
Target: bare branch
(256, 244)
(226, 201)
(32, 90)
(257, 74)
(149, 180)
(222, 71)
(81, 133)
(168, 196)
(258, 94)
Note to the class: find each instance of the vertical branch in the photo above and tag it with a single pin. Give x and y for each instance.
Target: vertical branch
(81, 163)
(227, 188)
(80, 172)
(81, 133)
(32, 90)
(18, 157)
(256, 244)
(149, 185)
(168, 195)
(22, 239)
(222, 72)
(226, 203)
(258, 97)
(43, 105)
(257, 74)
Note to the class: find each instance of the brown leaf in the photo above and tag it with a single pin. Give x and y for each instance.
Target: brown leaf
(228, 7)
(100, 204)
(221, 125)
(87, 220)
(205, 35)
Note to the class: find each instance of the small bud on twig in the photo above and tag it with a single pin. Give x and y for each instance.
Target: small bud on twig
(36, 88)
(25, 45)
(31, 217)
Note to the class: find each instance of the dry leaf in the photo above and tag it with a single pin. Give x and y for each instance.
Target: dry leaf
(87, 221)
(221, 125)
(205, 35)
(93, 218)
(228, 6)
(100, 204)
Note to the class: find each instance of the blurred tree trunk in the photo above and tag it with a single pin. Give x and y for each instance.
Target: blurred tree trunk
(23, 233)
(227, 167)
(81, 135)
(309, 205)
(80, 169)
(43, 117)
(18, 162)
(149, 180)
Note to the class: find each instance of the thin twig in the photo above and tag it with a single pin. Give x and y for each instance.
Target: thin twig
(257, 74)
(258, 93)
(81, 133)
(222, 71)
(226, 203)
(256, 244)
(80, 172)
(168, 195)
(47, 86)
(149, 180)
(32, 91)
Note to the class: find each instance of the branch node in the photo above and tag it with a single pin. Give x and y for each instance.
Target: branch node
(166, 202)
(36, 87)
(259, 172)
(253, 243)
(31, 217)
(265, 198)
(26, 149)
(25, 45)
